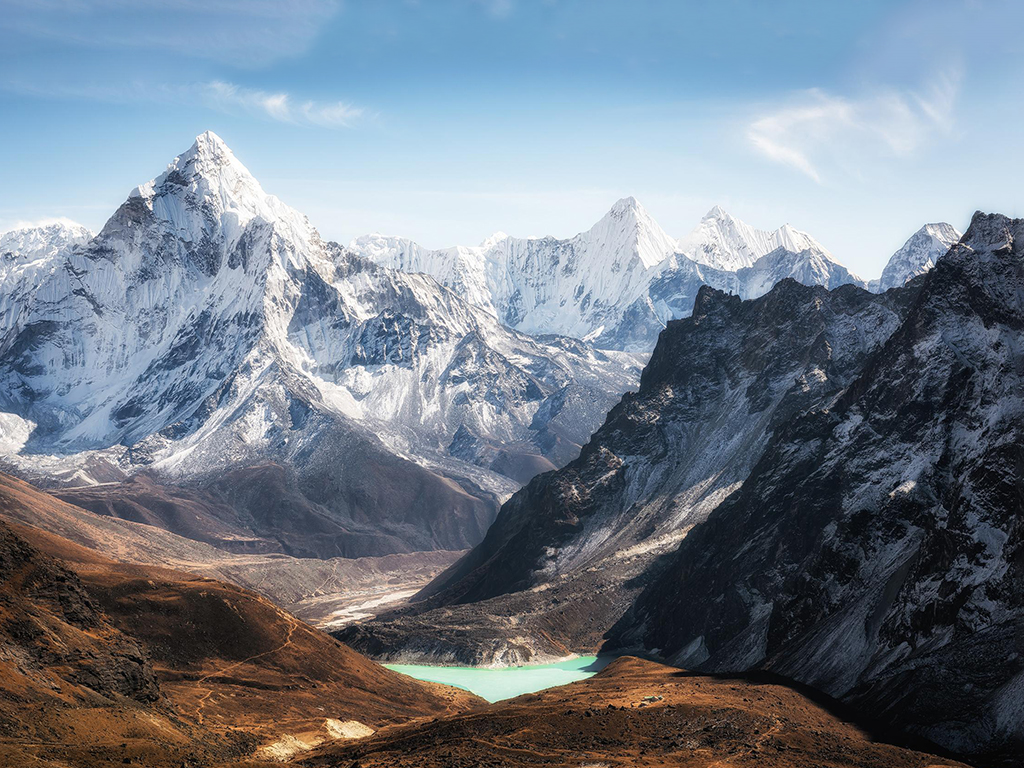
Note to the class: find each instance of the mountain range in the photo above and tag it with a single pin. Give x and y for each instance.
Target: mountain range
(321, 400)
(814, 476)
(822, 484)
(324, 405)
(618, 284)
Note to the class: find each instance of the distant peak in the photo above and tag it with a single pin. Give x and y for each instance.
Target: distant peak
(717, 212)
(940, 229)
(629, 203)
(56, 224)
(209, 145)
(497, 237)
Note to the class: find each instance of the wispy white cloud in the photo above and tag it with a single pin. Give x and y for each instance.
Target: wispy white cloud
(819, 129)
(228, 97)
(217, 95)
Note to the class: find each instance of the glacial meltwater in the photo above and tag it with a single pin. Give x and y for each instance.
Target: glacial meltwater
(506, 682)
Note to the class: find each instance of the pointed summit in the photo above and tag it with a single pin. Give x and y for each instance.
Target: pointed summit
(211, 142)
(209, 174)
(717, 212)
(798, 241)
(628, 229)
(494, 239)
(724, 242)
(624, 204)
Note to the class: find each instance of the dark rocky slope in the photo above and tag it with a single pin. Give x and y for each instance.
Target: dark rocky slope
(875, 552)
(568, 552)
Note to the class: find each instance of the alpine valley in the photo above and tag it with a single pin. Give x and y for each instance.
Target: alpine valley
(787, 499)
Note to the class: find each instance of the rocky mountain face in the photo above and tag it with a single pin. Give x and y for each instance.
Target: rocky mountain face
(617, 284)
(822, 484)
(875, 550)
(571, 548)
(360, 410)
(917, 256)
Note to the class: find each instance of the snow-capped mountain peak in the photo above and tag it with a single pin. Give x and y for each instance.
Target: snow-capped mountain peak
(724, 242)
(494, 239)
(202, 288)
(210, 203)
(619, 282)
(629, 230)
(797, 241)
(917, 255)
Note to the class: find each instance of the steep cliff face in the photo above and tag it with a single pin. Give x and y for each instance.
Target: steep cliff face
(875, 551)
(917, 255)
(714, 390)
(568, 551)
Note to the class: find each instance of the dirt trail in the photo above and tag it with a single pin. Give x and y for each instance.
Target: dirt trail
(293, 625)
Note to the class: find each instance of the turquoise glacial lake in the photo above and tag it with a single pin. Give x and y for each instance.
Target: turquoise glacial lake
(507, 682)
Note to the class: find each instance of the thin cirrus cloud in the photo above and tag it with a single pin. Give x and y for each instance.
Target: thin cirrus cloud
(822, 131)
(228, 97)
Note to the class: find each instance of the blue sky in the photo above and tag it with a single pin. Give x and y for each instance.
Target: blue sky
(445, 121)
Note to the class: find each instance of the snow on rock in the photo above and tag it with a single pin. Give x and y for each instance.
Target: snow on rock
(725, 243)
(917, 255)
(617, 284)
(209, 324)
(41, 241)
(874, 551)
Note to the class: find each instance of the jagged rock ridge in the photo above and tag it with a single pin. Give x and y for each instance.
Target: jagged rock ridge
(620, 282)
(875, 550)
(208, 327)
(568, 551)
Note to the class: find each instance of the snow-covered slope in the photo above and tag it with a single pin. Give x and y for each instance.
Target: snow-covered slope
(27, 255)
(723, 242)
(208, 325)
(917, 255)
(577, 287)
(41, 240)
(618, 283)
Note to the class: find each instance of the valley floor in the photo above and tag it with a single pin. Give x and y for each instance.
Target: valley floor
(104, 663)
